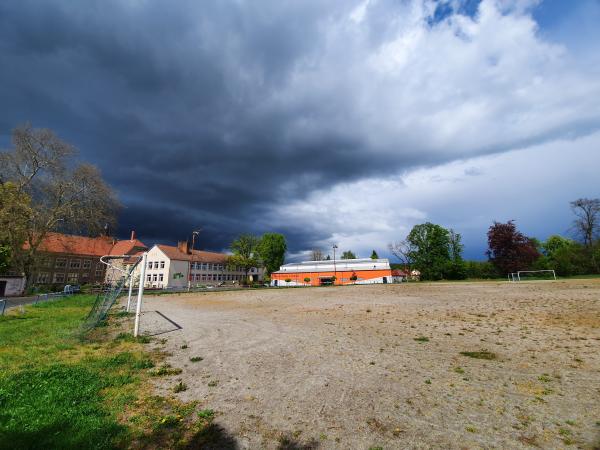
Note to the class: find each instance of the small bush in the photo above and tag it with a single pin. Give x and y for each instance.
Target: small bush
(421, 339)
(196, 358)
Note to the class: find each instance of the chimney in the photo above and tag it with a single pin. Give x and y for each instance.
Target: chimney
(184, 247)
(132, 235)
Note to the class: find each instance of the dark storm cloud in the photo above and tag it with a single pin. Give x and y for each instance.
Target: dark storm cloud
(211, 114)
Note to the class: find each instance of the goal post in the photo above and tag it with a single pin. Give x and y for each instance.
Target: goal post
(516, 276)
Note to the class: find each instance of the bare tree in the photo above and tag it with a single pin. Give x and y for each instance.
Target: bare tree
(40, 167)
(317, 254)
(402, 251)
(587, 224)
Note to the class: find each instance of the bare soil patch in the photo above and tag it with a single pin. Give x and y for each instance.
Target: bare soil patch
(381, 366)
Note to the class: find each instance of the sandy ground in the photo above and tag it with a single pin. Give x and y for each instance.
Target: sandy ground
(340, 367)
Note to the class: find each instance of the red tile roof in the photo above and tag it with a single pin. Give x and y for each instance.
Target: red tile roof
(82, 245)
(127, 247)
(197, 255)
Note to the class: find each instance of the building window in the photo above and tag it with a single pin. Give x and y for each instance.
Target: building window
(156, 264)
(43, 277)
(72, 277)
(61, 263)
(150, 264)
(160, 277)
(75, 264)
(59, 278)
(87, 263)
(85, 277)
(162, 264)
(149, 278)
(155, 277)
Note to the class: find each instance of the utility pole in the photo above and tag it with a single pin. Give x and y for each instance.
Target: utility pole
(194, 234)
(334, 267)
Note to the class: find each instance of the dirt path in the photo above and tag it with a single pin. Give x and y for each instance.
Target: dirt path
(340, 367)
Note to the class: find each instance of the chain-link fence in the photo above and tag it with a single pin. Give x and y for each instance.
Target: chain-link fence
(7, 303)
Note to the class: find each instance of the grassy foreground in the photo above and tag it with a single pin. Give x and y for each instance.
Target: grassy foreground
(58, 390)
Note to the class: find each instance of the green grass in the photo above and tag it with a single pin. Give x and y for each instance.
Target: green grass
(58, 390)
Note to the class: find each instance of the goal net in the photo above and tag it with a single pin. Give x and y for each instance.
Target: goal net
(524, 275)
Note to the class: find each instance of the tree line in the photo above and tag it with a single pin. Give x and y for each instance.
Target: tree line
(437, 252)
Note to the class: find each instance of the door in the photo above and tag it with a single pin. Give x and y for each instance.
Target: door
(2, 288)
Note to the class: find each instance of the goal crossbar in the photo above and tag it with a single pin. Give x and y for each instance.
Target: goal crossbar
(516, 276)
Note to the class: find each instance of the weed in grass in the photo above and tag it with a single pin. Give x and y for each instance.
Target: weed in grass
(206, 414)
(421, 339)
(184, 346)
(482, 354)
(165, 370)
(564, 432)
(545, 378)
(143, 364)
(180, 387)
(196, 358)
(427, 381)
(213, 383)
(471, 429)
(459, 370)
(375, 448)
(570, 422)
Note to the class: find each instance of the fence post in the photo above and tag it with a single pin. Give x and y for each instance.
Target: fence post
(138, 308)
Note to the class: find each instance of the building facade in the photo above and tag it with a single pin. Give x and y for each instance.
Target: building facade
(68, 259)
(339, 272)
(177, 267)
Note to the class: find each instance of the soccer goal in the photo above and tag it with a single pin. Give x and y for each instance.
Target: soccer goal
(521, 275)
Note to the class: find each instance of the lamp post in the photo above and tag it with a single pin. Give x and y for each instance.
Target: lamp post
(194, 234)
(334, 267)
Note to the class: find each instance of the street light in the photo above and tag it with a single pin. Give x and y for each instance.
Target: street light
(334, 267)
(194, 234)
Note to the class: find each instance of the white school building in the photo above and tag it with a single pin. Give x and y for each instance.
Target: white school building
(172, 267)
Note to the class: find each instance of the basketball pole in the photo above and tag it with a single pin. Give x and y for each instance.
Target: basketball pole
(138, 308)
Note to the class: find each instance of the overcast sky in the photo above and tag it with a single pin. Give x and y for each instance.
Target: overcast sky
(330, 121)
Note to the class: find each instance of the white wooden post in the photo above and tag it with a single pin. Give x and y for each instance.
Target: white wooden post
(138, 308)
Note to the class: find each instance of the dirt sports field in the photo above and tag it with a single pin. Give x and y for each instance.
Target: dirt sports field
(380, 366)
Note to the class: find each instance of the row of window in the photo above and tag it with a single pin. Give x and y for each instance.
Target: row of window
(72, 277)
(155, 277)
(63, 263)
(195, 266)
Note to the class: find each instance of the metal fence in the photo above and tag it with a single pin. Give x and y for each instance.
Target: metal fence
(7, 303)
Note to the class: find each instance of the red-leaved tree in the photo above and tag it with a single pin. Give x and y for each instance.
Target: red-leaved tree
(508, 249)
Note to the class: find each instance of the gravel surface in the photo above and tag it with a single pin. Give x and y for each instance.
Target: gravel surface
(363, 367)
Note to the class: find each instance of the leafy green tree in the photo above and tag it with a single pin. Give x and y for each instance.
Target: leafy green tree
(456, 267)
(482, 270)
(15, 217)
(374, 255)
(271, 250)
(430, 250)
(245, 253)
(348, 254)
